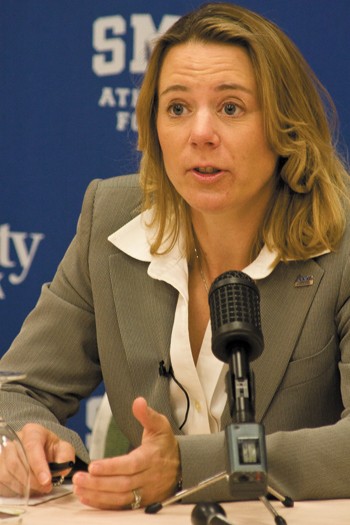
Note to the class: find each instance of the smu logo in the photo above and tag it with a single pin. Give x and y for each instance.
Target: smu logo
(17, 252)
(111, 39)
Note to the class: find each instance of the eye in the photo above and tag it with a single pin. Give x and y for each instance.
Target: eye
(176, 109)
(231, 109)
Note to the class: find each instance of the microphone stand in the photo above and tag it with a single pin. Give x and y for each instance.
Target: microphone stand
(245, 439)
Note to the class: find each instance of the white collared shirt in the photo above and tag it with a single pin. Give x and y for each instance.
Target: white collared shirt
(205, 381)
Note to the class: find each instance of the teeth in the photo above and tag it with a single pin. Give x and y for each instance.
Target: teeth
(208, 169)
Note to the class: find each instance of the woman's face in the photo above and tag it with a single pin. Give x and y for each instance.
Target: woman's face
(210, 129)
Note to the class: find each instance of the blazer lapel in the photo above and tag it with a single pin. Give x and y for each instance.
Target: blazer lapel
(145, 310)
(286, 296)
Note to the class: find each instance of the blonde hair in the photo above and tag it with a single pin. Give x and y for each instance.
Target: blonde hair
(307, 214)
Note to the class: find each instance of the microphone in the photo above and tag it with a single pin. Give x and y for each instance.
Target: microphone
(163, 372)
(209, 514)
(234, 303)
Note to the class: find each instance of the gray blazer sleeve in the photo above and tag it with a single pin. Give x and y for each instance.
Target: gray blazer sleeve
(57, 347)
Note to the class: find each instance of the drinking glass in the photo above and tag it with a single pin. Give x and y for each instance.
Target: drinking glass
(14, 467)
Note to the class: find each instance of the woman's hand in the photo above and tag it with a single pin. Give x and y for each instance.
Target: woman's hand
(152, 469)
(43, 446)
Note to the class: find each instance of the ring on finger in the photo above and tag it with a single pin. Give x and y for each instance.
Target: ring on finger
(136, 504)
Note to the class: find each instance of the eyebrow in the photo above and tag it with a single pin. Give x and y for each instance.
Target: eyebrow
(222, 87)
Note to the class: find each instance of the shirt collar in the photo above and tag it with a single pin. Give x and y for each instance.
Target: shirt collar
(134, 239)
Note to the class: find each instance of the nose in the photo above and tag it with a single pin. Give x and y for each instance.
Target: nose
(203, 130)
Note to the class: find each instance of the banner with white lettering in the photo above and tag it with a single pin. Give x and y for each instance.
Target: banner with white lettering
(70, 78)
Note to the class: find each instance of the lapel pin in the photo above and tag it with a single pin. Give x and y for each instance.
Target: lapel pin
(304, 280)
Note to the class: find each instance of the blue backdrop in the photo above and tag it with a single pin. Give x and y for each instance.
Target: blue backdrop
(70, 72)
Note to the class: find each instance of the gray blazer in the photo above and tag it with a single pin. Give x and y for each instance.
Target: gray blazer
(103, 317)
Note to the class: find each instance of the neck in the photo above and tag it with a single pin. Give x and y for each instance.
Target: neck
(220, 249)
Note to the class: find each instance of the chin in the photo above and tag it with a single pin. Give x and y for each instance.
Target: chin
(209, 206)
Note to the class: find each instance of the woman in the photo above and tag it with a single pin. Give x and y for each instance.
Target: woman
(238, 172)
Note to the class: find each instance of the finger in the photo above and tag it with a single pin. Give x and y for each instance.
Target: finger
(61, 458)
(102, 499)
(33, 438)
(153, 422)
(43, 446)
(132, 463)
(111, 484)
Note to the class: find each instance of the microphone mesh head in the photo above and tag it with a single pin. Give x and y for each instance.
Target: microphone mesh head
(234, 302)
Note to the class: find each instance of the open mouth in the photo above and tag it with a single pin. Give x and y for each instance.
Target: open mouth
(208, 170)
